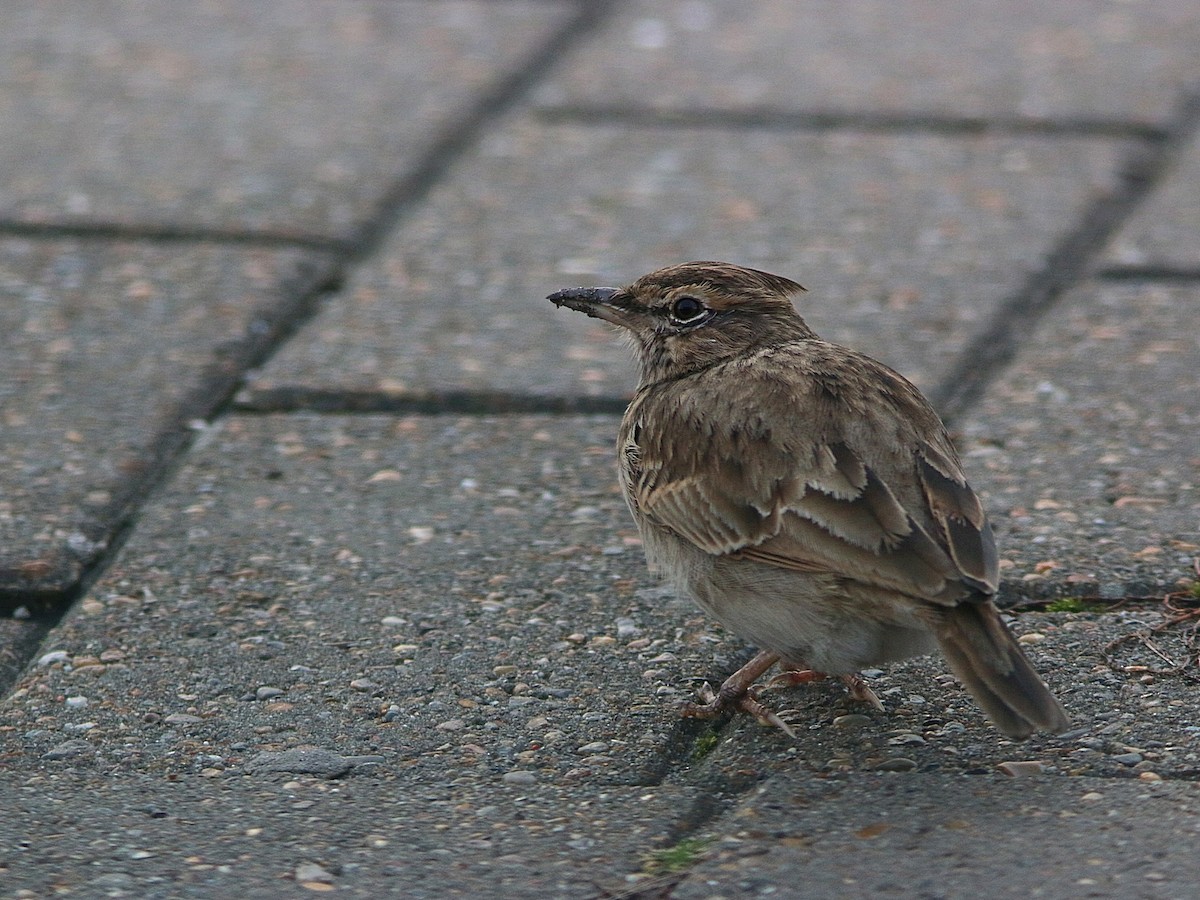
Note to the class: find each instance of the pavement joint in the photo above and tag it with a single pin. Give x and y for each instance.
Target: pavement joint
(766, 118)
(300, 398)
(1174, 274)
(169, 234)
(995, 345)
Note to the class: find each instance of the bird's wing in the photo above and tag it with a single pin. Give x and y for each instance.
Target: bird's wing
(795, 485)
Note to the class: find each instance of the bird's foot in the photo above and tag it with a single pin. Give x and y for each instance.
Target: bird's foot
(860, 690)
(738, 692)
(793, 677)
(856, 685)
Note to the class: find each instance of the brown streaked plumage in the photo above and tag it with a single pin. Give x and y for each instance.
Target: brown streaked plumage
(804, 494)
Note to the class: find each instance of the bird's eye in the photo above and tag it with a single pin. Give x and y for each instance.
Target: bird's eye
(687, 309)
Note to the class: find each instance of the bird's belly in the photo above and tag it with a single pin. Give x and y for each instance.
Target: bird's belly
(819, 620)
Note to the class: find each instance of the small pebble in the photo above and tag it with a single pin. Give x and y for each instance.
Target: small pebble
(593, 747)
(520, 776)
(627, 628)
(906, 738)
(69, 749)
(851, 720)
(1128, 759)
(1020, 768)
(324, 763)
(266, 692)
(504, 671)
(307, 873)
(897, 764)
(1150, 776)
(76, 702)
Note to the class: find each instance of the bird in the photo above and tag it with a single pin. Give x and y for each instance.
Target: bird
(805, 495)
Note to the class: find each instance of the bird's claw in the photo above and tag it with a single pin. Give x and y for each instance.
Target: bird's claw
(715, 703)
(861, 691)
(856, 685)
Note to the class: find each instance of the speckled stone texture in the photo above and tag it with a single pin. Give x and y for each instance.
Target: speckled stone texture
(899, 837)
(452, 615)
(103, 341)
(906, 243)
(1073, 59)
(421, 654)
(1086, 451)
(1165, 231)
(295, 116)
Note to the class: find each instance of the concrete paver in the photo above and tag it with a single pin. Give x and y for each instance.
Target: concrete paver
(294, 117)
(136, 835)
(1162, 233)
(391, 654)
(480, 596)
(894, 835)
(906, 243)
(103, 340)
(1085, 448)
(1071, 60)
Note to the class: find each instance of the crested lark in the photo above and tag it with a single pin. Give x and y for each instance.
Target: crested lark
(803, 494)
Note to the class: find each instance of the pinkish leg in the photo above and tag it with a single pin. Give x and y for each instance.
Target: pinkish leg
(856, 685)
(737, 692)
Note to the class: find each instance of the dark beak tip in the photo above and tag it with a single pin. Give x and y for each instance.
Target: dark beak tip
(581, 295)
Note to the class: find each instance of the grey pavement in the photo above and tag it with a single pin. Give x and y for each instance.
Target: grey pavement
(316, 573)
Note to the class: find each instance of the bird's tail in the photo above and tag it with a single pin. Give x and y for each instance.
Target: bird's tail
(991, 665)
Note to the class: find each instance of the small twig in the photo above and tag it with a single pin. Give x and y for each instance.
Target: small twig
(1181, 608)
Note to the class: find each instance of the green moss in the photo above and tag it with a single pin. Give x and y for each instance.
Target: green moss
(705, 744)
(682, 856)
(1069, 605)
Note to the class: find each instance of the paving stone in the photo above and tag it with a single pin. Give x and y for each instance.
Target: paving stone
(19, 637)
(465, 597)
(355, 584)
(1085, 448)
(1162, 232)
(1075, 59)
(906, 242)
(102, 341)
(294, 116)
(899, 835)
(387, 834)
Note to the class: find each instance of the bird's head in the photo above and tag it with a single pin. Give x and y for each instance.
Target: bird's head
(687, 317)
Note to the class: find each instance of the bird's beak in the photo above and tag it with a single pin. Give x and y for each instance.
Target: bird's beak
(595, 302)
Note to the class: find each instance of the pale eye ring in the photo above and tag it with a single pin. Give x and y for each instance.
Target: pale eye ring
(687, 309)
